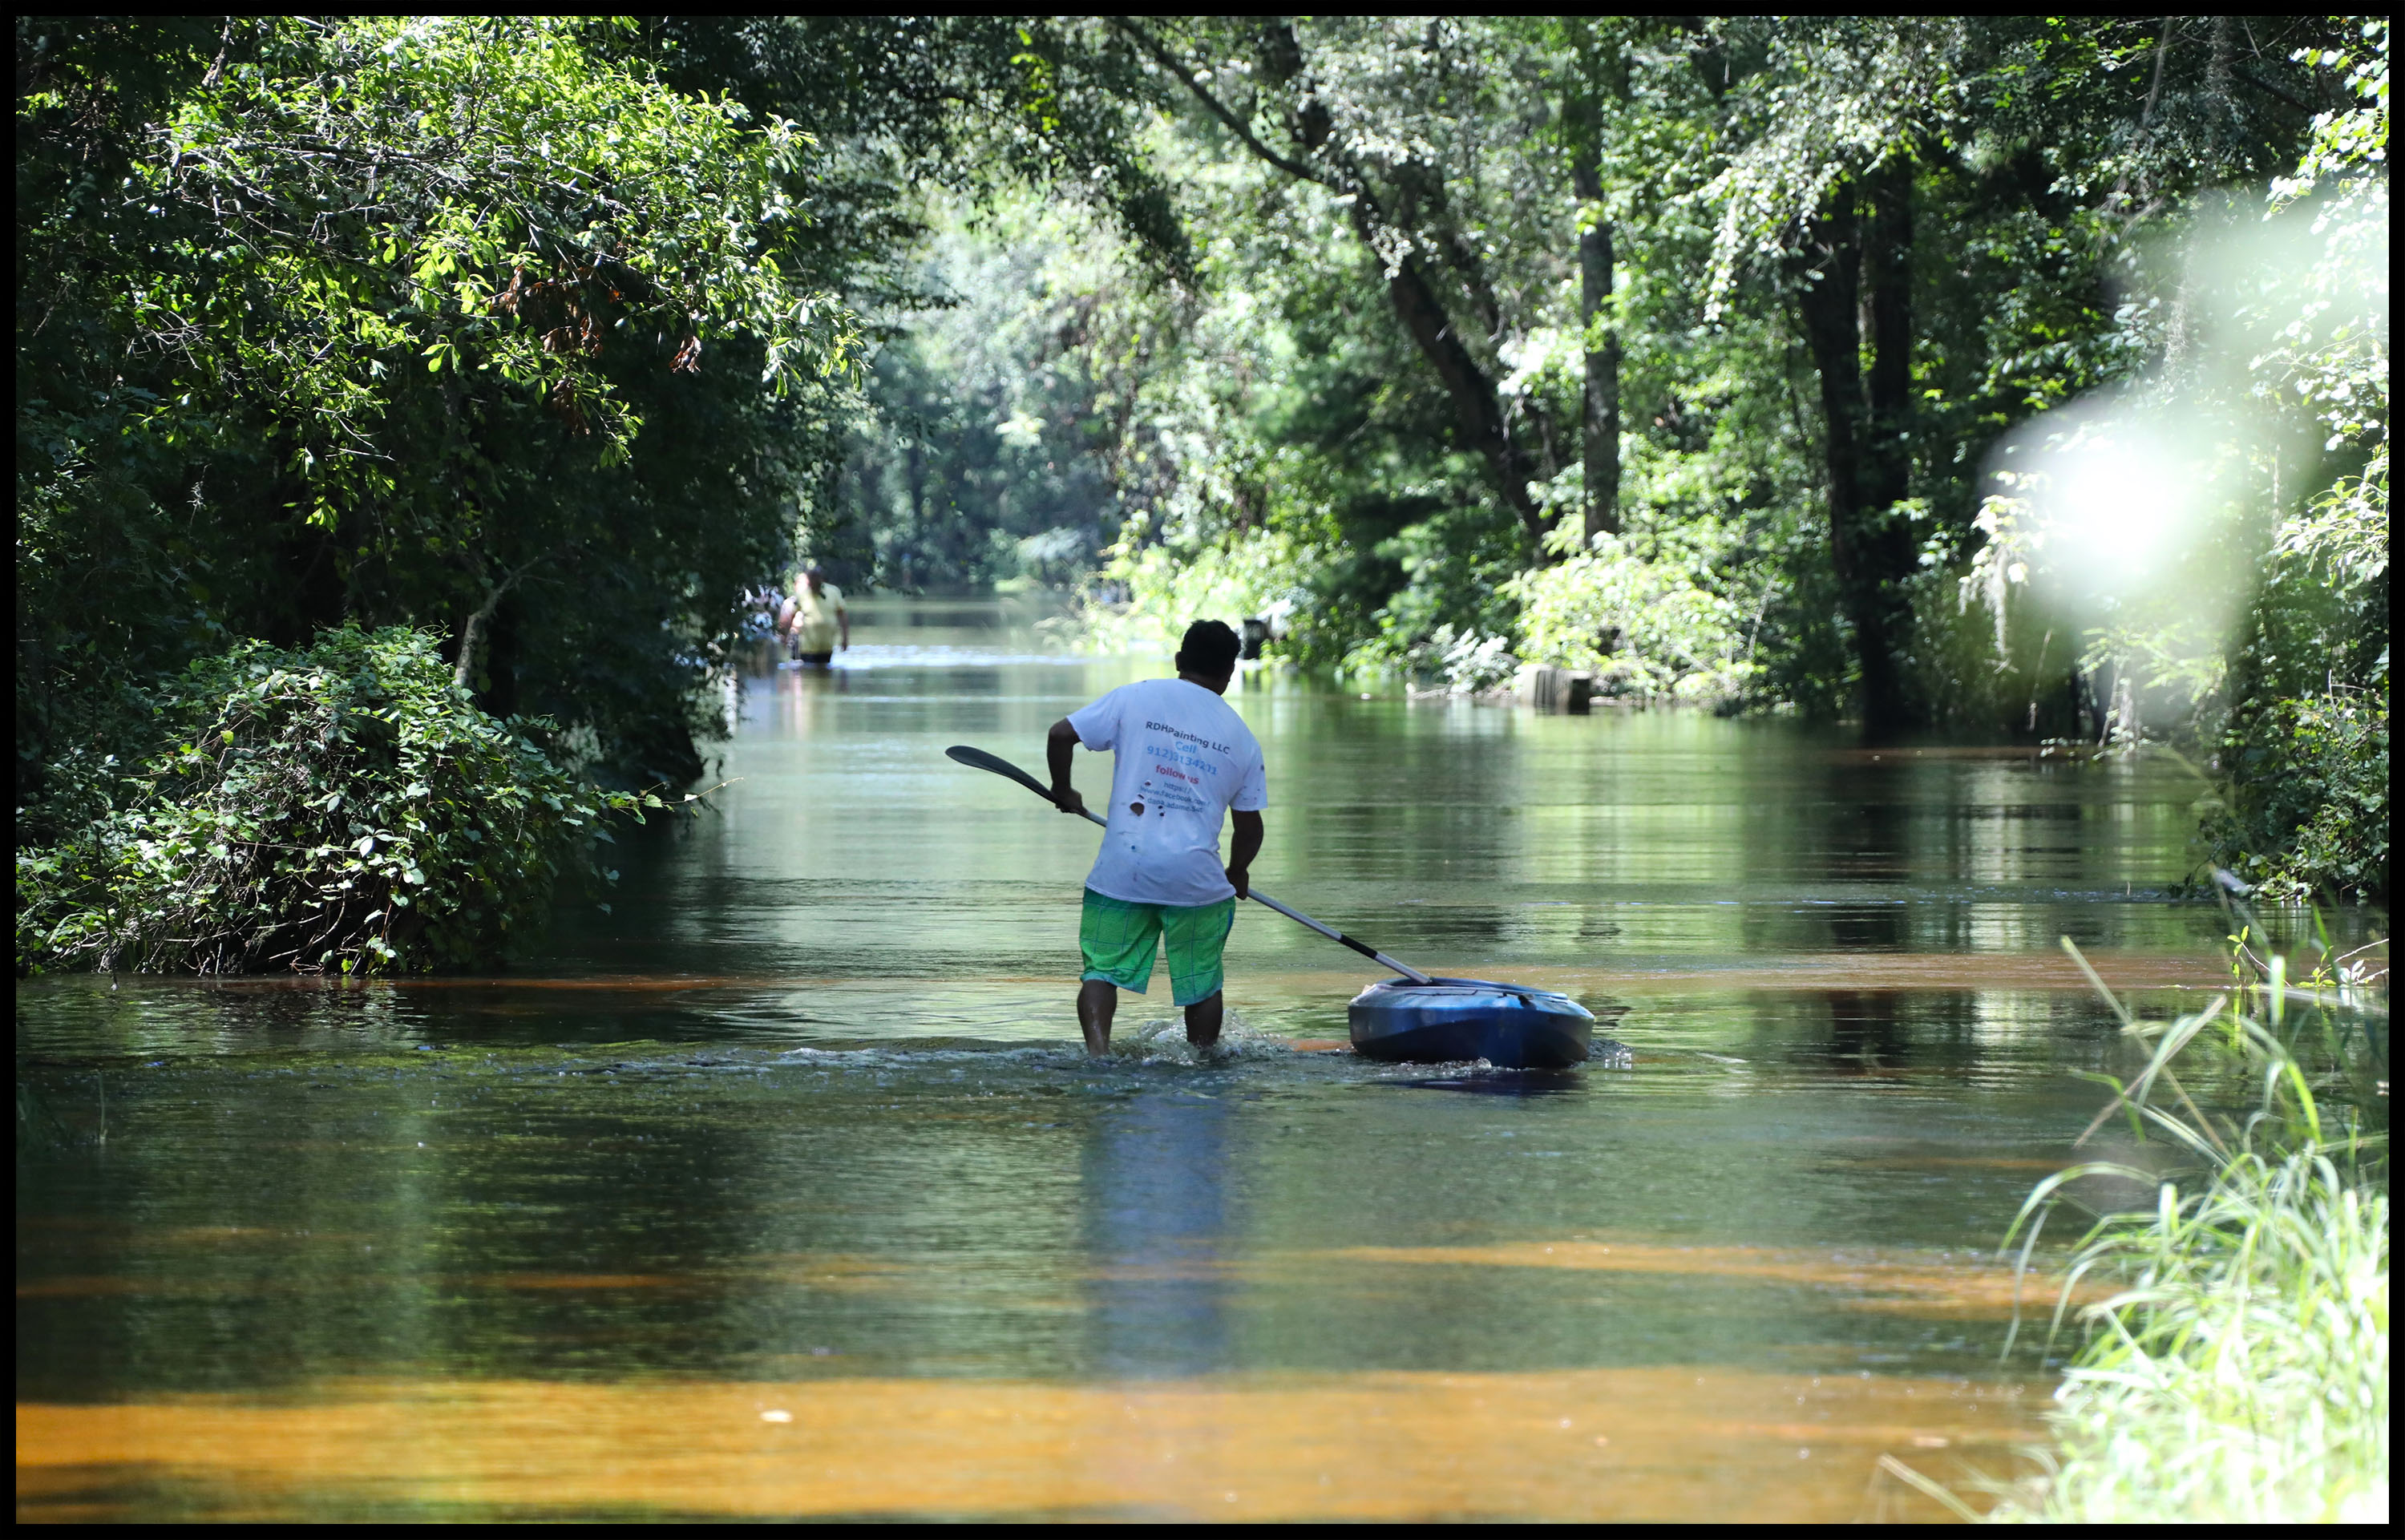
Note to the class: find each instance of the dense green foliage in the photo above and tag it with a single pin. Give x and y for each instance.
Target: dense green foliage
(975, 458)
(536, 332)
(538, 335)
(458, 323)
(1677, 352)
(2306, 808)
(2239, 1370)
(344, 808)
(1682, 353)
(2304, 740)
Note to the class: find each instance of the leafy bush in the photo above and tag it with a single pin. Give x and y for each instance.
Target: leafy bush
(1164, 592)
(1464, 662)
(344, 807)
(2307, 808)
(1646, 625)
(2305, 742)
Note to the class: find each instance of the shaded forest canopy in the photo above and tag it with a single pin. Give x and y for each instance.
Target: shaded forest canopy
(1682, 352)
(536, 332)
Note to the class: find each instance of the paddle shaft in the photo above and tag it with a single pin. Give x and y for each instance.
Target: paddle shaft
(994, 762)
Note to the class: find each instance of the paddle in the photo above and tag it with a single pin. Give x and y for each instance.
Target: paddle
(979, 759)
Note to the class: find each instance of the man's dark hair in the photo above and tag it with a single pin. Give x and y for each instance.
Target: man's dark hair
(1209, 648)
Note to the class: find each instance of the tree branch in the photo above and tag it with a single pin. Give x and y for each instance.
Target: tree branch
(1476, 402)
(2268, 88)
(1236, 126)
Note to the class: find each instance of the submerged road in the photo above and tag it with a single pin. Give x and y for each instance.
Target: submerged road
(782, 1189)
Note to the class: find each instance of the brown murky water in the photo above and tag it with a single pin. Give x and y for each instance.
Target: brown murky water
(781, 1191)
(1657, 1442)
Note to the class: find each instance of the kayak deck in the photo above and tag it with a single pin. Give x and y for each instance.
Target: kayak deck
(1454, 1021)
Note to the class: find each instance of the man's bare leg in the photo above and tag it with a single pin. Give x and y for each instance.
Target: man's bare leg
(1203, 1020)
(1098, 1000)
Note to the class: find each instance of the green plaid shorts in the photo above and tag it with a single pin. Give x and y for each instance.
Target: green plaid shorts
(1119, 940)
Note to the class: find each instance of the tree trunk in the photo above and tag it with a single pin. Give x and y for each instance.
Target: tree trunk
(1869, 449)
(502, 644)
(471, 632)
(463, 671)
(1890, 545)
(1599, 419)
(1478, 410)
(1477, 405)
(1887, 276)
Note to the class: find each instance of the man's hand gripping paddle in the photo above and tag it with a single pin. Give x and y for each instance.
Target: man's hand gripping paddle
(979, 759)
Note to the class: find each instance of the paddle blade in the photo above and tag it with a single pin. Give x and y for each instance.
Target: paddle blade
(979, 759)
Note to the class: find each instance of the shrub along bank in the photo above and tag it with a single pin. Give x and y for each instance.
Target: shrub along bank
(342, 808)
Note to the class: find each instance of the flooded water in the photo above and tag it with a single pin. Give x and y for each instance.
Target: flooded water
(782, 1189)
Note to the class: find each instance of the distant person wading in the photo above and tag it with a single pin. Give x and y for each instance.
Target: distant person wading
(1183, 761)
(814, 621)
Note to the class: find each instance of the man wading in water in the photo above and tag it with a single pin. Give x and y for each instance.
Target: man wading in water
(819, 619)
(1182, 761)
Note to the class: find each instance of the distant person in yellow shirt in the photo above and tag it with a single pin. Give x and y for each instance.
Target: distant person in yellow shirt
(820, 624)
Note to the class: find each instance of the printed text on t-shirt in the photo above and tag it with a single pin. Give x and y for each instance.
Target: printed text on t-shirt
(1189, 736)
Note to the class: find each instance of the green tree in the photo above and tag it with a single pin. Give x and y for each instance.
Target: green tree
(1871, 156)
(415, 320)
(2305, 742)
(535, 335)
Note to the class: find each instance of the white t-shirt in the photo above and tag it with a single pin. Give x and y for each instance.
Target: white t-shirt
(814, 617)
(1183, 758)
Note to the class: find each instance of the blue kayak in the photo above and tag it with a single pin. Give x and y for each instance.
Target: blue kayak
(1454, 1021)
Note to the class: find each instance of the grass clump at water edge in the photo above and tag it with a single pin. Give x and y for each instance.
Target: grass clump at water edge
(2240, 1371)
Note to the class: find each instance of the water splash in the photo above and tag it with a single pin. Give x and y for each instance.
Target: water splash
(1162, 1040)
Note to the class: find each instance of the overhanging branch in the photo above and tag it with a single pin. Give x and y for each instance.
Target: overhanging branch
(1187, 78)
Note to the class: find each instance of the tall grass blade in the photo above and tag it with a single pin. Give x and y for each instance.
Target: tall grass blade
(1926, 1488)
(2239, 1372)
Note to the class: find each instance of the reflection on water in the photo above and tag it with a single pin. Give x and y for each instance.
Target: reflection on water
(800, 1127)
(1156, 1172)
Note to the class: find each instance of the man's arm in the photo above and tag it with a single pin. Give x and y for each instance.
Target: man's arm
(1059, 744)
(1242, 849)
(843, 621)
